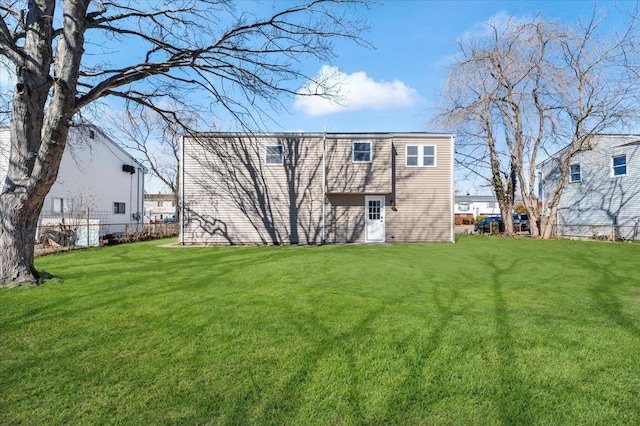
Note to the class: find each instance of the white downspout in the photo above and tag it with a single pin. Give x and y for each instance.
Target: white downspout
(140, 193)
(324, 185)
(453, 186)
(181, 189)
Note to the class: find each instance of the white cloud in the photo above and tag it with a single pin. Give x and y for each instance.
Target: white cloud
(351, 92)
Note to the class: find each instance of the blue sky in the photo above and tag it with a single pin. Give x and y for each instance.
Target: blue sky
(393, 86)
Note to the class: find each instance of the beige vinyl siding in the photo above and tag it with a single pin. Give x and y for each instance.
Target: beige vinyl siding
(345, 218)
(347, 177)
(232, 196)
(423, 195)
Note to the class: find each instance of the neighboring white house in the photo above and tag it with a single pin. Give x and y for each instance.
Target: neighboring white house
(159, 207)
(601, 196)
(95, 174)
(472, 206)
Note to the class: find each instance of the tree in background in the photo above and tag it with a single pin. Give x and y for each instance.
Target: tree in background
(169, 51)
(156, 138)
(528, 87)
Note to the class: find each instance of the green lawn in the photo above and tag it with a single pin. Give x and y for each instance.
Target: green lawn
(486, 331)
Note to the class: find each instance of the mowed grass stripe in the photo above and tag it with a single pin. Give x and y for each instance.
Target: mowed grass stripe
(486, 331)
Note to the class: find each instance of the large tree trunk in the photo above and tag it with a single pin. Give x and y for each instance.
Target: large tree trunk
(38, 140)
(19, 226)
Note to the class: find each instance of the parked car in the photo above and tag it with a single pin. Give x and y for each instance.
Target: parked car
(521, 221)
(488, 224)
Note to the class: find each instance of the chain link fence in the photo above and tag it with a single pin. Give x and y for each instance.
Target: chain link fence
(599, 232)
(92, 228)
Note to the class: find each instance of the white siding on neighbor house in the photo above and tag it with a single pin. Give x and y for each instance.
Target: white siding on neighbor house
(600, 204)
(91, 175)
(476, 205)
(159, 207)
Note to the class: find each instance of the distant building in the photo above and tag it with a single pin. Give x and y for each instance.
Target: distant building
(95, 174)
(472, 206)
(159, 207)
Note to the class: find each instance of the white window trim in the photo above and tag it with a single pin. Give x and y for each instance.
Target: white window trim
(579, 165)
(266, 155)
(353, 152)
(421, 155)
(626, 166)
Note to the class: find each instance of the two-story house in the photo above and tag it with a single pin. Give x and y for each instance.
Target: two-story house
(312, 188)
(601, 195)
(96, 176)
(159, 207)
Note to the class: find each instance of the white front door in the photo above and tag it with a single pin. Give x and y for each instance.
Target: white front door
(374, 219)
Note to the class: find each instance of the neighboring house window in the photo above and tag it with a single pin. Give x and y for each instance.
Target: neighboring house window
(159, 203)
(463, 207)
(274, 154)
(619, 165)
(58, 205)
(574, 173)
(361, 152)
(491, 205)
(421, 156)
(119, 208)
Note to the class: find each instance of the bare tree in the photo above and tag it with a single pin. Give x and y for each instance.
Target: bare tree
(157, 141)
(529, 87)
(242, 62)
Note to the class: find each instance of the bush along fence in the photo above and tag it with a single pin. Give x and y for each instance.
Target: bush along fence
(92, 228)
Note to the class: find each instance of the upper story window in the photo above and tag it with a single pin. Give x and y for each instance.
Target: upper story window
(362, 152)
(159, 203)
(274, 154)
(575, 174)
(619, 165)
(421, 156)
